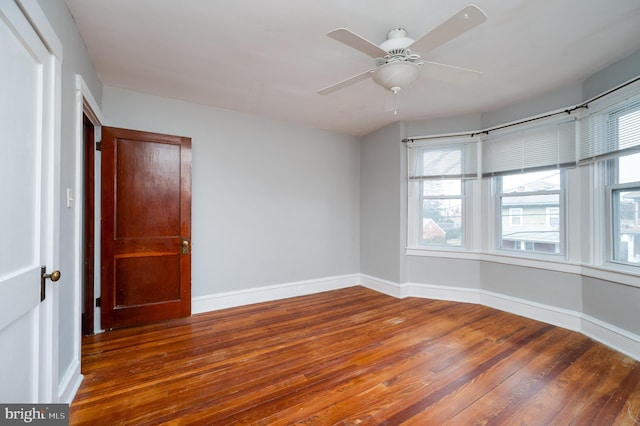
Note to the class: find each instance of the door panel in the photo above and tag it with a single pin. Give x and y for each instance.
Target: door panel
(28, 210)
(148, 181)
(146, 214)
(137, 277)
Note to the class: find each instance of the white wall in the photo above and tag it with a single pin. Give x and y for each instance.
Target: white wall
(553, 288)
(273, 203)
(617, 73)
(380, 195)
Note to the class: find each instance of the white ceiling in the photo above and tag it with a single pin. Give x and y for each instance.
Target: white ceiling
(268, 58)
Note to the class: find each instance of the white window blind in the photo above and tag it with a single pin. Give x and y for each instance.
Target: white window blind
(610, 132)
(443, 158)
(544, 144)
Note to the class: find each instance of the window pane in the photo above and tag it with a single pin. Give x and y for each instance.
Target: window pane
(627, 225)
(442, 221)
(629, 168)
(531, 223)
(548, 180)
(442, 187)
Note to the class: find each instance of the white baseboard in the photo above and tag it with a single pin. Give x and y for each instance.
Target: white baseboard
(382, 286)
(564, 318)
(232, 299)
(70, 383)
(610, 335)
(438, 292)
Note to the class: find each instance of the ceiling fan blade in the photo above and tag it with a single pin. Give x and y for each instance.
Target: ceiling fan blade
(352, 39)
(449, 73)
(468, 18)
(348, 82)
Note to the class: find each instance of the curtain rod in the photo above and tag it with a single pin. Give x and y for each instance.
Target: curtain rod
(552, 114)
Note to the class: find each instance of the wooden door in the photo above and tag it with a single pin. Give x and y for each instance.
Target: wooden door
(28, 211)
(145, 227)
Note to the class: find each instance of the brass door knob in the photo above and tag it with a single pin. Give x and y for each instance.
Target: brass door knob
(54, 276)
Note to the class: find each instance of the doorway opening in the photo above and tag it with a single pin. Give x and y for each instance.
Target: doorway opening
(88, 256)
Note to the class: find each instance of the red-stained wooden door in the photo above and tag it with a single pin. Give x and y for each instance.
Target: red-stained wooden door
(145, 227)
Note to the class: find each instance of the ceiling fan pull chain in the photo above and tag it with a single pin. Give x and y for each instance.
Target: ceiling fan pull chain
(395, 102)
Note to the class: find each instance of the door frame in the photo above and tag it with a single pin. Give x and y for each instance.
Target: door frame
(86, 105)
(88, 228)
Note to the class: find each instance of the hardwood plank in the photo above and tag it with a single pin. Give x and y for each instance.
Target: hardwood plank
(579, 394)
(469, 367)
(373, 364)
(471, 391)
(354, 356)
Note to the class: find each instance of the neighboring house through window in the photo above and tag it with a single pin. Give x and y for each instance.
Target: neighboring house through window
(530, 211)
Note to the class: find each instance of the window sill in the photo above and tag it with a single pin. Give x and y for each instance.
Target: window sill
(453, 254)
(607, 273)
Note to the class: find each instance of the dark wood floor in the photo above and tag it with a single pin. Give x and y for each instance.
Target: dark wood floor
(355, 357)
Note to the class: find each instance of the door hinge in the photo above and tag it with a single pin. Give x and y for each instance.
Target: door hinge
(98, 146)
(98, 301)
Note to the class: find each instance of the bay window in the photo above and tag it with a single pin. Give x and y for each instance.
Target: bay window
(520, 207)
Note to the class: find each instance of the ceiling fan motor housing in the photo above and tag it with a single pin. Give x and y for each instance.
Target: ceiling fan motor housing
(396, 46)
(397, 42)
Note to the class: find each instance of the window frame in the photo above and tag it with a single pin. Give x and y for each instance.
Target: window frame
(613, 216)
(416, 196)
(613, 184)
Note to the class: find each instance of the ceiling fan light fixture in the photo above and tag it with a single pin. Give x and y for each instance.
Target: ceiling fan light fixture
(395, 76)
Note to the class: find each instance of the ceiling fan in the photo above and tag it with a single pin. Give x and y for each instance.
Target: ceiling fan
(398, 59)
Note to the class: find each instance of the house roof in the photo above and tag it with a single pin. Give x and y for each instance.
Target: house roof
(535, 236)
(530, 200)
(270, 58)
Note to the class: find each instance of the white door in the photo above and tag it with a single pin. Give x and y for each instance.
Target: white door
(27, 209)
